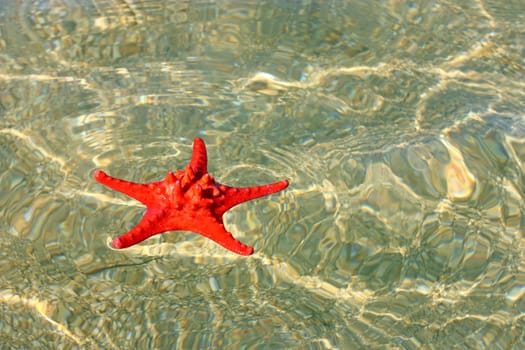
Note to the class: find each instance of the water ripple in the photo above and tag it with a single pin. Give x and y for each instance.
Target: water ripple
(401, 133)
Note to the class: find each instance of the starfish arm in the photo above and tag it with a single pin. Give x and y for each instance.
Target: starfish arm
(214, 230)
(147, 227)
(235, 195)
(199, 159)
(141, 192)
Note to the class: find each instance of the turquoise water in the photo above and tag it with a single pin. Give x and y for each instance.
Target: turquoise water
(400, 127)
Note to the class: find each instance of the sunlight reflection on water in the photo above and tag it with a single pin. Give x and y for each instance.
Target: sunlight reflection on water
(400, 128)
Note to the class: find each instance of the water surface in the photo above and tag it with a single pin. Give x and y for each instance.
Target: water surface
(400, 126)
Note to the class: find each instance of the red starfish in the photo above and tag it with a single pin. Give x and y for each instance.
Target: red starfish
(189, 200)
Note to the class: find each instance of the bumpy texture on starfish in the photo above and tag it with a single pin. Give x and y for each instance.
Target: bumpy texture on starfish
(189, 200)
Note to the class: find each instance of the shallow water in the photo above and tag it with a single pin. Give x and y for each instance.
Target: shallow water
(399, 125)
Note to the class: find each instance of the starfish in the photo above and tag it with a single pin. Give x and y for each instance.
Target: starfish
(189, 200)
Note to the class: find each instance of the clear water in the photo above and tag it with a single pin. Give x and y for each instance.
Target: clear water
(400, 126)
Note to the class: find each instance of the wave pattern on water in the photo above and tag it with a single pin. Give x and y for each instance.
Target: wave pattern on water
(399, 126)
